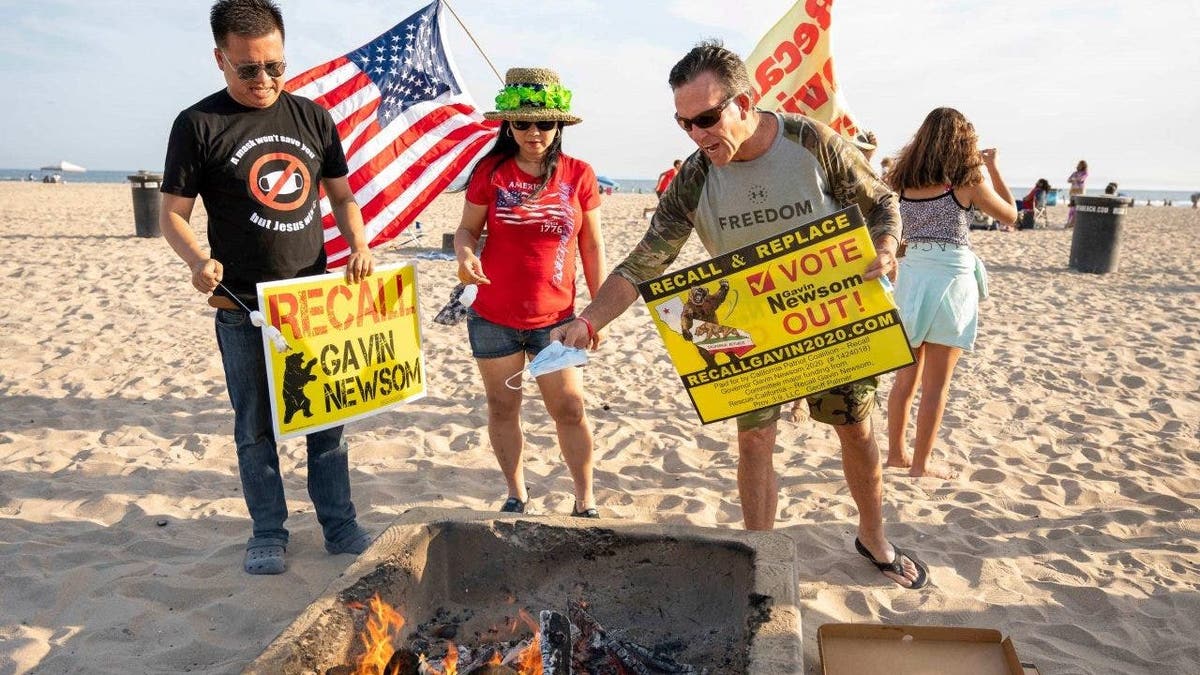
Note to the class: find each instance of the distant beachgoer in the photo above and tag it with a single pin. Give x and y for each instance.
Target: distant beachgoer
(1031, 201)
(885, 165)
(665, 178)
(1110, 189)
(941, 280)
(1195, 199)
(214, 150)
(744, 152)
(1077, 181)
(541, 210)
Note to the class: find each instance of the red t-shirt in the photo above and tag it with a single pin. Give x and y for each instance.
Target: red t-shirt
(664, 180)
(531, 247)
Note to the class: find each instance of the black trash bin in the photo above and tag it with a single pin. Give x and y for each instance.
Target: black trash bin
(145, 203)
(1096, 242)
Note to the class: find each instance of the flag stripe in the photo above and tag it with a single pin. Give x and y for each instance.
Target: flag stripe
(414, 206)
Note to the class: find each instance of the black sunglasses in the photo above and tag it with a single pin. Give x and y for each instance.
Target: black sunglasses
(250, 71)
(705, 119)
(523, 125)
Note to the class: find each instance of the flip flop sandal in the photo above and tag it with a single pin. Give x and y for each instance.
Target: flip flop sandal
(586, 513)
(266, 559)
(896, 567)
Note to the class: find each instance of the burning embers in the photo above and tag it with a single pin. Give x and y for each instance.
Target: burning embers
(720, 600)
(559, 645)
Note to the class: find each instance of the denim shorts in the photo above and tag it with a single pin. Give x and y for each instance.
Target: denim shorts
(493, 341)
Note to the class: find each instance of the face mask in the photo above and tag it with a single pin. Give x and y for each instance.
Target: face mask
(554, 357)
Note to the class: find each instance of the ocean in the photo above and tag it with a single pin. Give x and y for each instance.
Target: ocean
(633, 185)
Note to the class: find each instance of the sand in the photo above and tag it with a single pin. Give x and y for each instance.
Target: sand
(1073, 528)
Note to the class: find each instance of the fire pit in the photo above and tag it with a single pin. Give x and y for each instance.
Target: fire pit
(721, 600)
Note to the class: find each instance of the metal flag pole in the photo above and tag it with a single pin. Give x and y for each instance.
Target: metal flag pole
(476, 42)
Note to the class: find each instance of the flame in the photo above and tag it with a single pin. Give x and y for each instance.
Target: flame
(529, 661)
(449, 664)
(383, 624)
(382, 630)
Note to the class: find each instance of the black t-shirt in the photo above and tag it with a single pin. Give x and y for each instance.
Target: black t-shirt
(258, 172)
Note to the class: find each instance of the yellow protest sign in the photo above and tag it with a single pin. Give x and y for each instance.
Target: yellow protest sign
(778, 320)
(792, 70)
(353, 350)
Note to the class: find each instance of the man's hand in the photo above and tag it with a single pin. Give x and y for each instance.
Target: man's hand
(885, 262)
(575, 334)
(723, 284)
(206, 274)
(360, 266)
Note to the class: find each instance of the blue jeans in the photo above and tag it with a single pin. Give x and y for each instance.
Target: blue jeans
(258, 456)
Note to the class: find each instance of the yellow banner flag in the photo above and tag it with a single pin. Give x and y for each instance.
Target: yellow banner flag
(792, 70)
(353, 350)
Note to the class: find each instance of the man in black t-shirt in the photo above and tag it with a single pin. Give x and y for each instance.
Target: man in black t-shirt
(257, 156)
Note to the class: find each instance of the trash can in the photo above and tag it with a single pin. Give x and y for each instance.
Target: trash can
(145, 203)
(1096, 242)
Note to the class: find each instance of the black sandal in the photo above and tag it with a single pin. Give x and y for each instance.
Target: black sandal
(896, 567)
(586, 513)
(513, 505)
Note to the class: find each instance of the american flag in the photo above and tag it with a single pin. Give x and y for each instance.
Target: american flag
(408, 127)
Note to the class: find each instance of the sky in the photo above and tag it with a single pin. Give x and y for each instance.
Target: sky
(98, 82)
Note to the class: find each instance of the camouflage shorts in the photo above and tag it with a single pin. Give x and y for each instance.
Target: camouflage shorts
(848, 404)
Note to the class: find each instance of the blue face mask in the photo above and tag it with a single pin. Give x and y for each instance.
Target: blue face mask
(553, 357)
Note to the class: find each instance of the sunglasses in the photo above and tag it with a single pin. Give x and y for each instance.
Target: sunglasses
(523, 125)
(250, 71)
(705, 119)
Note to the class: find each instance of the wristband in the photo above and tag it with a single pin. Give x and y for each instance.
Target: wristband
(590, 328)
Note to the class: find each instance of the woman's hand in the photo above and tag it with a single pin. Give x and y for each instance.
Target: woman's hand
(470, 270)
(989, 157)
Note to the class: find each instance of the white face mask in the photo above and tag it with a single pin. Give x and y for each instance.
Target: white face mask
(554, 357)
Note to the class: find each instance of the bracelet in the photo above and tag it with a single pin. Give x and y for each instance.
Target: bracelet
(590, 328)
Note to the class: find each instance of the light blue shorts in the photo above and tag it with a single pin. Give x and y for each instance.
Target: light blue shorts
(938, 293)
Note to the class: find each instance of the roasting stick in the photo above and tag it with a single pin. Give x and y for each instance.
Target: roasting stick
(257, 318)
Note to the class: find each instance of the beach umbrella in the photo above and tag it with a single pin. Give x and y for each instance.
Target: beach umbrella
(64, 167)
(607, 182)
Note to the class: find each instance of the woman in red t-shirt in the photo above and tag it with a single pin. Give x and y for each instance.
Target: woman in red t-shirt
(541, 210)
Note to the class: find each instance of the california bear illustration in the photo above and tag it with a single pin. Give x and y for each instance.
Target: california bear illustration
(296, 374)
(702, 305)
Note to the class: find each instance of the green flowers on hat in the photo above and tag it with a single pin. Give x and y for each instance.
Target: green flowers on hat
(553, 96)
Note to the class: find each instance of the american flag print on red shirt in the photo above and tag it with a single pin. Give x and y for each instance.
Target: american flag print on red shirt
(408, 126)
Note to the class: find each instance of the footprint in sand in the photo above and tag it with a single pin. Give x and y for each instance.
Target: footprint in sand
(1133, 381)
(1151, 362)
(988, 476)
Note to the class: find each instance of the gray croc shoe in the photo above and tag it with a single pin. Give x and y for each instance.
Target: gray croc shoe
(265, 559)
(355, 544)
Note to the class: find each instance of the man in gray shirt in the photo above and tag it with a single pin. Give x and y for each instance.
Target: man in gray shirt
(750, 161)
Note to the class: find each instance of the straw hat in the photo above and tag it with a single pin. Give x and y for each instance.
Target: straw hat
(533, 95)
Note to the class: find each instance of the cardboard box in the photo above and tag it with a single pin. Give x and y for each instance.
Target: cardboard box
(867, 649)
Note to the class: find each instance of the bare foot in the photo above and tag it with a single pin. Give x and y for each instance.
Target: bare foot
(943, 471)
(900, 462)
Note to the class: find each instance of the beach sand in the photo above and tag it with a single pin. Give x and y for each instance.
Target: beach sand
(1073, 529)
